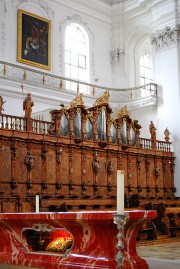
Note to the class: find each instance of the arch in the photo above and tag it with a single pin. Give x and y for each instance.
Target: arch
(137, 44)
(76, 54)
(146, 69)
(62, 27)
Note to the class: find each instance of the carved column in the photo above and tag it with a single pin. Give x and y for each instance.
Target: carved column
(157, 175)
(14, 153)
(71, 171)
(165, 186)
(71, 114)
(56, 117)
(147, 166)
(1, 149)
(110, 173)
(44, 184)
(96, 170)
(118, 131)
(108, 122)
(83, 122)
(94, 116)
(83, 169)
(129, 175)
(58, 167)
(139, 167)
(128, 126)
(30, 164)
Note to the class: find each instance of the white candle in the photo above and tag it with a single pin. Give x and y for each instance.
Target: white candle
(120, 192)
(37, 203)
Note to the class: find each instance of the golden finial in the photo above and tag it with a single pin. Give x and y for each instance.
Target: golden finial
(77, 101)
(122, 112)
(103, 99)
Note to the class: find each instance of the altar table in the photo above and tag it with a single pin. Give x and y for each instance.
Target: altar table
(70, 240)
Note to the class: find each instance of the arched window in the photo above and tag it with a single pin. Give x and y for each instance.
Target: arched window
(146, 69)
(76, 54)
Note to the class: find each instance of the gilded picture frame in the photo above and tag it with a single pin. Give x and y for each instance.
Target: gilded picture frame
(34, 40)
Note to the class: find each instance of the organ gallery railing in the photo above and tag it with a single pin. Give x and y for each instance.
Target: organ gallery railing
(33, 77)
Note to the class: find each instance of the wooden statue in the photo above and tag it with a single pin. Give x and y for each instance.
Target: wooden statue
(166, 135)
(27, 106)
(152, 130)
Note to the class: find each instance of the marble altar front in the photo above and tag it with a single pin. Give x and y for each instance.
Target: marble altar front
(70, 240)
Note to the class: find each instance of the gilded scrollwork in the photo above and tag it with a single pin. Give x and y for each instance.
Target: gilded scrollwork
(123, 112)
(102, 100)
(77, 101)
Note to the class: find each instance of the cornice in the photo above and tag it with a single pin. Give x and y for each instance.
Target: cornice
(99, 11)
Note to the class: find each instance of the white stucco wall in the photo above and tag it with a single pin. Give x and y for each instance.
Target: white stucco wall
(167, 77)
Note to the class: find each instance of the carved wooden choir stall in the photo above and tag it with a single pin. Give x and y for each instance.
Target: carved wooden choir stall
(72, 161)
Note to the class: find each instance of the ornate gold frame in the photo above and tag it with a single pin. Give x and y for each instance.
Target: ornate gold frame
(34, 40)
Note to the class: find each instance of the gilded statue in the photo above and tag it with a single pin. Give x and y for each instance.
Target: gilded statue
(27, 105)
(1, 104)
(77, 101)
(103, 99)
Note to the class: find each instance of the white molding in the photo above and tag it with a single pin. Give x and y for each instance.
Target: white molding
(91, 8)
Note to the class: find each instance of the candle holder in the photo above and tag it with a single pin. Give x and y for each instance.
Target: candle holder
(120, 221)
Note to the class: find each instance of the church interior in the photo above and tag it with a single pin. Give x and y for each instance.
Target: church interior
(89, 89)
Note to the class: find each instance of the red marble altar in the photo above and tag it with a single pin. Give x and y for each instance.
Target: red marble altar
(94, 237)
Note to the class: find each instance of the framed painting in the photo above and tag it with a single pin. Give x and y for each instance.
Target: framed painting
(34, 40)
